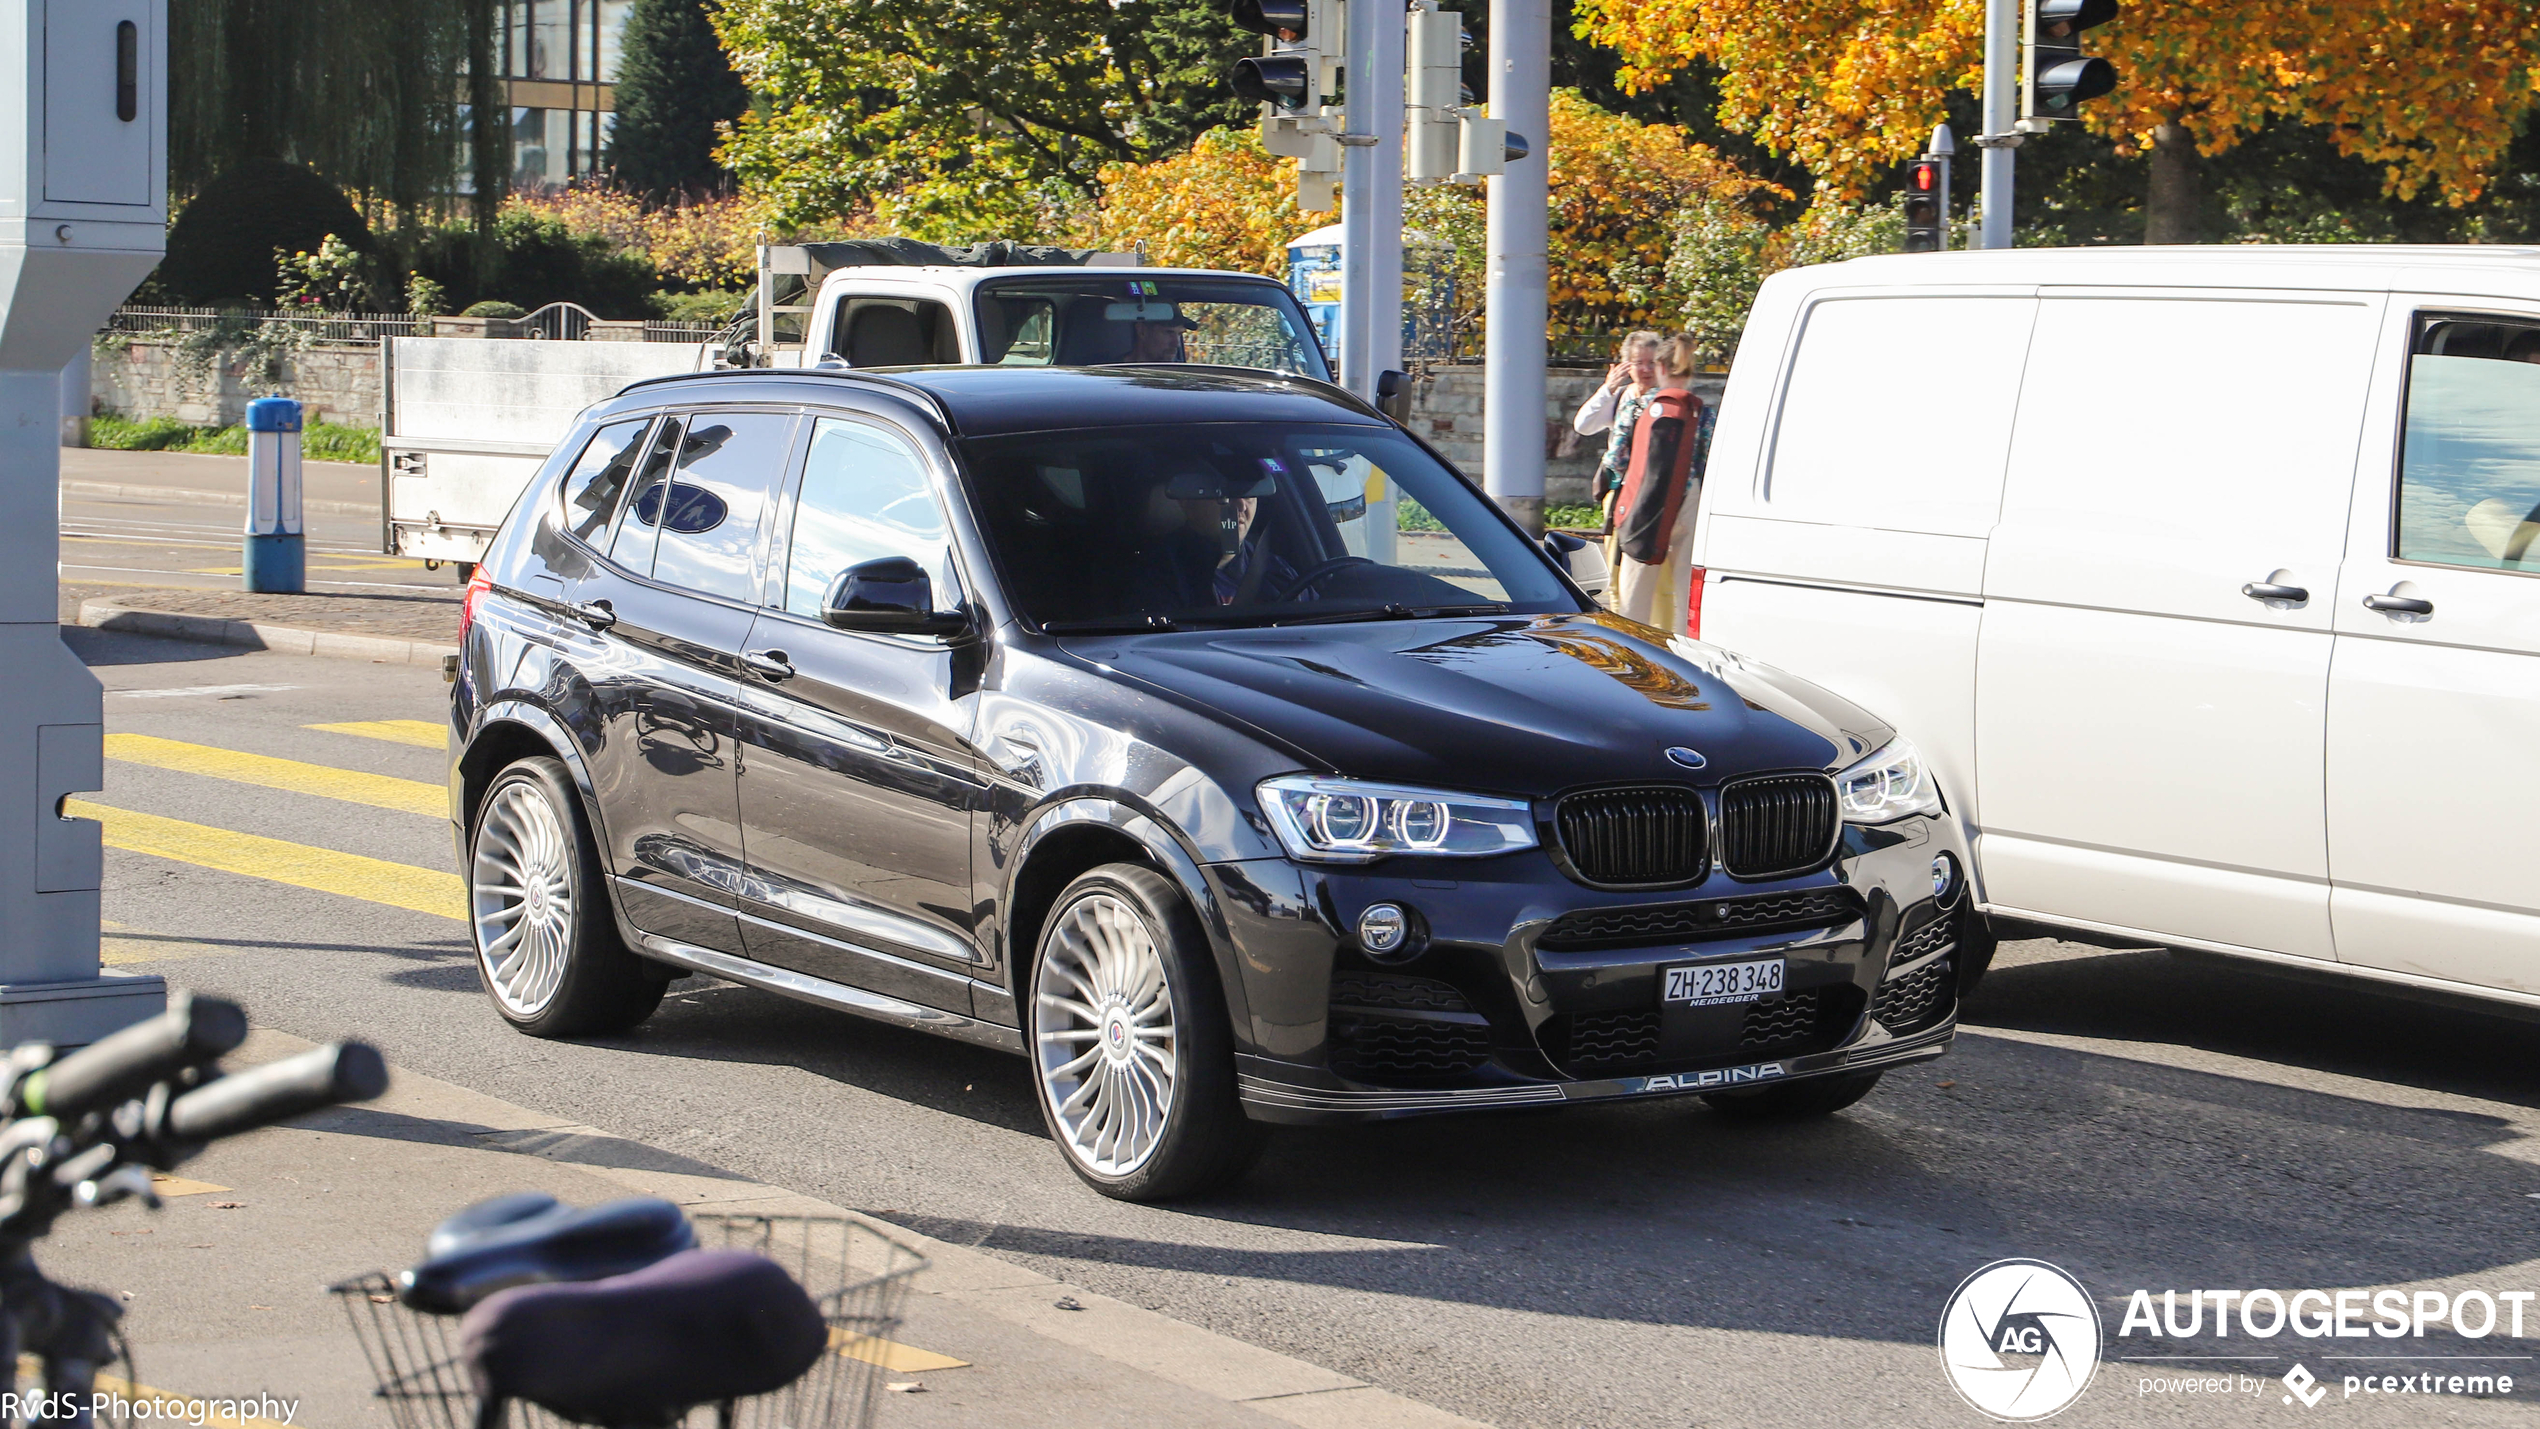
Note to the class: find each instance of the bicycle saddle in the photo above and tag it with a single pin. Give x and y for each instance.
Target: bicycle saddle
(532, 1238)
(698, 1328)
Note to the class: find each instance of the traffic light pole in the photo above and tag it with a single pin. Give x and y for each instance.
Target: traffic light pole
(1371, 198)
(1519, 266)
(2001, 106)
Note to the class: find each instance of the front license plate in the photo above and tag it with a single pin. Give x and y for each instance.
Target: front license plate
(1718, 984)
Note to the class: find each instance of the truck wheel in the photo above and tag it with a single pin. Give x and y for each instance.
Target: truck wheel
(1131, 1052)
(465, 570)
(1793, 1101)
(547, 947)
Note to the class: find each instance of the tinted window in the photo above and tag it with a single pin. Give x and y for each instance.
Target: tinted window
(1088, 321)
(895, 332)
(599, 477)
(709, 512)
(1244, 523)
(865, 496)
(632, 545)
(2469, 472)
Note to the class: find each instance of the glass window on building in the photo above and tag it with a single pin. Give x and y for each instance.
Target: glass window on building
(559, 62)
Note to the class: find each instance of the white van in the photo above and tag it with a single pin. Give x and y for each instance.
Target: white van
(2208, 578)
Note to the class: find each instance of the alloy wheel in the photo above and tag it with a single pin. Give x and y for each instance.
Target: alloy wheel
(521, 896)
(1106, 1044)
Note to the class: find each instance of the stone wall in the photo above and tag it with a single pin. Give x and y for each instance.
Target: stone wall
(335, 384)
(1447, 411)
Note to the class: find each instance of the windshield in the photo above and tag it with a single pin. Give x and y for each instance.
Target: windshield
(1157, 527)
(1088, 320)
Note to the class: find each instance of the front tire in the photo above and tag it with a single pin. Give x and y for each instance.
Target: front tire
(1132, 1057)
(1796, 1101)
(547, 946)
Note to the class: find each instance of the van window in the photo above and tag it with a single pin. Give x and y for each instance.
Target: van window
(865, 496)
(709, 511)
(1898, 413)
(2469, 465)
(895, 332)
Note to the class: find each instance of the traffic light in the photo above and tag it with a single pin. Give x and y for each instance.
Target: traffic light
(1432, 92)
(1926, 206)
(1298, 70)
(2056, 75)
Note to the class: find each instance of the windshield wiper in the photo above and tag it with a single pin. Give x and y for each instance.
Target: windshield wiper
(1394, 611)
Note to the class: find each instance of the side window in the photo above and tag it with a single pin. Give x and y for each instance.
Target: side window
(631, 545)
(865, 495)
(895, 332)
(599, 478)
(1017, 330)
(1877, 428)
(711, 509)
(2469, 465)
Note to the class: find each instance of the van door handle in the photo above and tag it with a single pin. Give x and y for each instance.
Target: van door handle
(2261, 590)
(597, 614)
(2398, 605)
(768, 664)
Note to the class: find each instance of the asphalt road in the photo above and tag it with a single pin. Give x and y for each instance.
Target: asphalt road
(2138, 1119)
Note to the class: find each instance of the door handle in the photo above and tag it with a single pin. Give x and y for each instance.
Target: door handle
(768, 664)
(2262, 590)
(597, 614)
(2398, 605)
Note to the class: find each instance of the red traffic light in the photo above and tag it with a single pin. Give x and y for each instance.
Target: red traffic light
(1923, 177)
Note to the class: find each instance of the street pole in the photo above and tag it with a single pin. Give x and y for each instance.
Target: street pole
(1371, 194)
(1520, 270)
(83, 217)
(2001, 103)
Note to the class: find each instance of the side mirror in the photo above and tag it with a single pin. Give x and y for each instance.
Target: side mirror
(1393, 394)
(891, 596)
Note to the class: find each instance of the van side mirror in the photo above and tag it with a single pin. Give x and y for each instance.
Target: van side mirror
(1393, 394)
(890, 596)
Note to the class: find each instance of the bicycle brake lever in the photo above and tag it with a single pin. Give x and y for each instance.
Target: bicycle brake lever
(122, 1183)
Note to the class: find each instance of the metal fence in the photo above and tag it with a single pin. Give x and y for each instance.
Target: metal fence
(556, 322)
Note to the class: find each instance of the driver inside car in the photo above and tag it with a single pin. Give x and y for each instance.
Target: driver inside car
(1204, 544)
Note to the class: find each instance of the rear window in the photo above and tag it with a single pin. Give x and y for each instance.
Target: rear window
(1093, 321)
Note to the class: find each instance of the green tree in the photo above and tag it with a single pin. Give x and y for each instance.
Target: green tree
(674, 87)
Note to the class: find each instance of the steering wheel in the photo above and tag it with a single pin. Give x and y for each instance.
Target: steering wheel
(1302, 583)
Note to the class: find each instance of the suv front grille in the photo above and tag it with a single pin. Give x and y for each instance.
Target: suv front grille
(1613, 1041)
(1776, 826)
(1393, 1029)
(1930, 938)
(1653, 923)
(1918, 1001)
(1633, 838)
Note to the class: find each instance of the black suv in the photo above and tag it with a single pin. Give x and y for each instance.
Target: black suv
(1199, 734)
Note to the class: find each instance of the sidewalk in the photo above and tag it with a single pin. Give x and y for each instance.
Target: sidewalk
(225, 1287)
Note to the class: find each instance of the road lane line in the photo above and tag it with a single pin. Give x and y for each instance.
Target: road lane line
(890, 1354)
(421, 733)
(406, 796)
(175, 690)
(373, 880)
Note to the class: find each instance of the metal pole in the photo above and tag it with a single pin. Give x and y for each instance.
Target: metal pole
(1358, 199)
(1520, 270)
(2001, 103)
(1384, 118)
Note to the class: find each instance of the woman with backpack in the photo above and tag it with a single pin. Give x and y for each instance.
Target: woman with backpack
(1653, 514)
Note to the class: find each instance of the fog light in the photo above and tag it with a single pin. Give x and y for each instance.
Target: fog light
(1944, 879)
(1384, 929)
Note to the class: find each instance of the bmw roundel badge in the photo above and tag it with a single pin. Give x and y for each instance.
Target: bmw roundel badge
(1689, 758)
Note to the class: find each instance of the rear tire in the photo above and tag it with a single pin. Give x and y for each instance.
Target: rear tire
(1132, 1056)
(1794, 1101)
(547, 947)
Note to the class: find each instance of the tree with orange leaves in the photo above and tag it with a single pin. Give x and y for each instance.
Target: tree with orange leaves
(2430, 90)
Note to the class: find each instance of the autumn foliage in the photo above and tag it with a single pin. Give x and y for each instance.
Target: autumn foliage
(1222, 203)
(2429, 89)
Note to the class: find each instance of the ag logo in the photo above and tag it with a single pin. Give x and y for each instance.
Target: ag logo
(2020, 1340)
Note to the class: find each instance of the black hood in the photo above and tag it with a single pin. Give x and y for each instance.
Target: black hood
(1520, 705)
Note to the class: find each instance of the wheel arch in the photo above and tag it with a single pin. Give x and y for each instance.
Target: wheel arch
(509, 731)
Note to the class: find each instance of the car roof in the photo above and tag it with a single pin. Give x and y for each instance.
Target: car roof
(965, 277)
(991, 401)
(2500, 269)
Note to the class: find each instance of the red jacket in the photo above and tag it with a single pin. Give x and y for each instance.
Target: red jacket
(1662, 465)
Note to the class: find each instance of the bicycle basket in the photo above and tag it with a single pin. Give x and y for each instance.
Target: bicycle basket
(856, 1273)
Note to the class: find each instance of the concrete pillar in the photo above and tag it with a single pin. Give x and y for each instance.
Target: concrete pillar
(1519, 264)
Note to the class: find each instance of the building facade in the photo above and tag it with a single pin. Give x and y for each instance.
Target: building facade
(558, 62)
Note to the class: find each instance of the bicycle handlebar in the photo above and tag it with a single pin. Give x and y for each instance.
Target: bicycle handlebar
(193, 1030)
(320, 1077)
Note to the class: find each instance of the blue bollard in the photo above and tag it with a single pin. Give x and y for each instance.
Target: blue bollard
(273, 558)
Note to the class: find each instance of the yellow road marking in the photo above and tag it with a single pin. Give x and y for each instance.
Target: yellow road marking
(409, 796)
(375, 880)
(891, 1354)
(167, 1185)
(422, 733)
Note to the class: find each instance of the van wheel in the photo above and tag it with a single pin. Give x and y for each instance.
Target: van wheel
(1131, 1052)
(547, 946)
(1793, 1101)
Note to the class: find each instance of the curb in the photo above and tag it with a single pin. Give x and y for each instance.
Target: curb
(124, 492)
(1220, 1366)
(256, 635)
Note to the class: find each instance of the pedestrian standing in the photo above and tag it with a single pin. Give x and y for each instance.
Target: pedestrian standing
(1662, 489)
(1614, 408)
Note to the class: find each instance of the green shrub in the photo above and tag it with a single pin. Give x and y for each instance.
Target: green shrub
(221, 247)
(494, 308)
(123, 434)
(1577, 516)
(534, 260)
(707, 307)
(321, 441)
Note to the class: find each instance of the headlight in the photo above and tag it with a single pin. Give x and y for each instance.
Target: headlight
(1323, 820)
(1887, 786)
